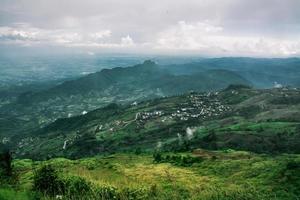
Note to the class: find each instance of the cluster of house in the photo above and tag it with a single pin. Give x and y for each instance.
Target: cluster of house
(25, 142)
(195, 106)
(200, 106)
(150, 115)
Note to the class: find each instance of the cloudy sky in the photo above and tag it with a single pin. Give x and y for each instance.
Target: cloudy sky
(203, 27)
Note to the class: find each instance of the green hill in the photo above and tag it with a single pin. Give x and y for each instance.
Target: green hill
(209, 175)
(118, 85)
(261, 72)
(146, 76)
(263, 121)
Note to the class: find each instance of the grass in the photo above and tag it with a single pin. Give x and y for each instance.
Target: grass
(12, 194)
(231, 175)
(244, 127)
(273, 127)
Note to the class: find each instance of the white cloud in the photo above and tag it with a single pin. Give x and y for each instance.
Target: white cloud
(127, 41)
(100, 34)
(69, 22)
(9, 33)
(186, 36)
(202, 37)
(24, 34)
(66, 37)
(211, 26)
(212, 39)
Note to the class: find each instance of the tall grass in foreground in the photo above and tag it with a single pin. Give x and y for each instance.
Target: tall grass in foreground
(48, 182)
(229, 176)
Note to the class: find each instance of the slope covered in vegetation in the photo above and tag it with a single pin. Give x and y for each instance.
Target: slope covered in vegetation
(209, 175)
(239, 117)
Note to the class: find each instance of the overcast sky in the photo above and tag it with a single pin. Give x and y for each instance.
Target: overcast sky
(203, 27)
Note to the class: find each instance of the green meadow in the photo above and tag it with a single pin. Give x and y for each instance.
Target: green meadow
(213, 175)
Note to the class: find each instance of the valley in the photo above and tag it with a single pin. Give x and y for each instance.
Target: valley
(150, 100)
(239, 117)
(152, 131)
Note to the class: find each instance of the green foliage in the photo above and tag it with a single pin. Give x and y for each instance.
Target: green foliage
(247, 121)
(47, 181)
(229, 175)
(237, 87)
(110, 192)
(7, 175)
(76, 186)
(106, 192)
(249, 111)
(292, 173)
(12, 194)
(134, 193)
(292, 164)
(286, 100)
(157, 156)
(5, 164)
(263, 121)
(177, 159)
(138, 151)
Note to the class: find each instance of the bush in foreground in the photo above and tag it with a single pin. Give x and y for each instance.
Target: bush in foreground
(47, 181)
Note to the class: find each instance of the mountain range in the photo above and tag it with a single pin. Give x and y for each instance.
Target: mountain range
(35, 109)
(239, 117)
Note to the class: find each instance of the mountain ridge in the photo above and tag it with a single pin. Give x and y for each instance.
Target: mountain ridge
(230, 118)
(146, 74)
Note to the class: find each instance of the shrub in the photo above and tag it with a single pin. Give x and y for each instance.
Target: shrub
(180, 160)
(134, 193)
(5, 164)
(106, 192)
(153, 191)
(47, 181)
(292, 164)
(138, 151)
(127, 193)
(7, 174)
(157, 157)
(90, 164)
(260, 129)
(76, 186)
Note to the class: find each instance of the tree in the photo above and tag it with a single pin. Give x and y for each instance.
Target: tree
(47, 181)
(138, 151)
(211, 140)
(5, 163)
(157, 156)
